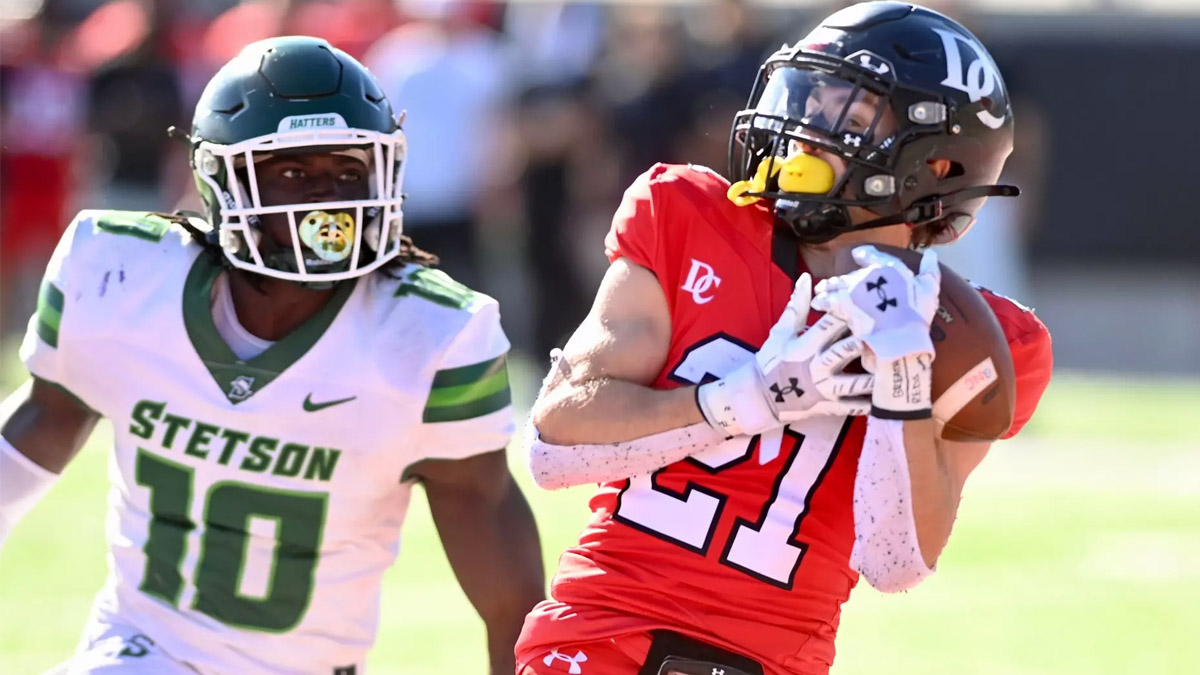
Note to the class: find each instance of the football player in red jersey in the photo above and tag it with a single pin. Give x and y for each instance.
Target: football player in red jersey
(746, 480)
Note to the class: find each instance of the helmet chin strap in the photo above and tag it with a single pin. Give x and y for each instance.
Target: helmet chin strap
(920, 212)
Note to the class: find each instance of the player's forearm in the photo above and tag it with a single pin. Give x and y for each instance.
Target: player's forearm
(492, 543)
(501, 659)
(46, 424)
(41, 429)
(607, 410)
(935, 494)
(502, 634)
(516, 558)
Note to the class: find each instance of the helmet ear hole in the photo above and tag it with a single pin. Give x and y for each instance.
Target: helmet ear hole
(944, 168)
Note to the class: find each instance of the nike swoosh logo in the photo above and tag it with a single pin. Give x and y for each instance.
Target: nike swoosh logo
(309, 406)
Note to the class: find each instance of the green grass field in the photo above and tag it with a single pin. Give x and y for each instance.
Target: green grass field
(1076, 552)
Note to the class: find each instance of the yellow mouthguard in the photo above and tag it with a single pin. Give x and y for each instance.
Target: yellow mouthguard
(801, 173)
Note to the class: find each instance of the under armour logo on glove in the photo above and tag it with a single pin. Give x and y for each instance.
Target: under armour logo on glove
(885, 301)
(574, 661)
(792, 388)
(753, 397)
(899, 339)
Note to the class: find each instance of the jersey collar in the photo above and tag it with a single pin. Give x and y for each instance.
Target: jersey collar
(240, 379)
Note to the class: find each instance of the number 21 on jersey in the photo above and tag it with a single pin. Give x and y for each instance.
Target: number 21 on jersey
(764, 549)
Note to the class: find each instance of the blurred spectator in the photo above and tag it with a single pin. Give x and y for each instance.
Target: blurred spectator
(643, 76)
(41, 112)
(350, 25)
(675, 78)
(238, 26)
(566, 189)
(726, 47)
(447, 72)
(132, 98)
(554, 44)
(563, 164)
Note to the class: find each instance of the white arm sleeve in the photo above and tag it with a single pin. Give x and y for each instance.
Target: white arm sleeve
(22, 485)
(886, 551)
(554, 467)
(559, 466)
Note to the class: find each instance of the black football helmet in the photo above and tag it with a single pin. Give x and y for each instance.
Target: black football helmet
(946, 100)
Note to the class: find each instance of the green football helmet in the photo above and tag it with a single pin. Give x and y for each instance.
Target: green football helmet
(298, 95)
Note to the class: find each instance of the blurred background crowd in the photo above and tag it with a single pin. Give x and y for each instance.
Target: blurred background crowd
(527, 120)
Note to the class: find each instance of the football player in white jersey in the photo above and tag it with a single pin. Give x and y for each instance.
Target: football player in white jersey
(278, 374)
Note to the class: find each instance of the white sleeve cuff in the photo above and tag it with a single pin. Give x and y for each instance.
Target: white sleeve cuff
(22, 485)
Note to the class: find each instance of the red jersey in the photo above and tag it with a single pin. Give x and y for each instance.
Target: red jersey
(746, 545)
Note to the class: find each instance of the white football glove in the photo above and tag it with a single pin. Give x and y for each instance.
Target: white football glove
(796, 374)
(890, 309)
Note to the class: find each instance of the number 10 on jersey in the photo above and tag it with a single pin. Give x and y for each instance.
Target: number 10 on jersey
(229, 506)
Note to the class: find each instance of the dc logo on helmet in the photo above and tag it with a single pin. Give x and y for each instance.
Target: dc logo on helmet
(977, 80)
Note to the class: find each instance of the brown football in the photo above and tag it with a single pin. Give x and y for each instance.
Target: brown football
(974, 387)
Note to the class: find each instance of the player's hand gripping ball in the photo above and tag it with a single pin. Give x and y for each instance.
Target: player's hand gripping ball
(974, 385)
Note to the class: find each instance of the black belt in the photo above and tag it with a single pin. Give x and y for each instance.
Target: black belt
(675, 654)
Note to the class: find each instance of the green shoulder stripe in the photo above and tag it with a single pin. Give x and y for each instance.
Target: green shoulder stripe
(437, 287)
(143, 225)
(466, 393)
(49, 313)
(477, 408)
(453, 377)
(469, 391)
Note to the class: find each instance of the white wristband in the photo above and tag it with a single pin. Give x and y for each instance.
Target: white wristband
(734, 404)
(22, 484)
(904, 388)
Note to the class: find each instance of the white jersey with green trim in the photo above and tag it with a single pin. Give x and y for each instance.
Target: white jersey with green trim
(256, 504)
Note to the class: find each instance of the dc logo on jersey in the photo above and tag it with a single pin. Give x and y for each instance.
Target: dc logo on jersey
(573, 661)
(701, 280)
(977, 80)
(241, 388)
